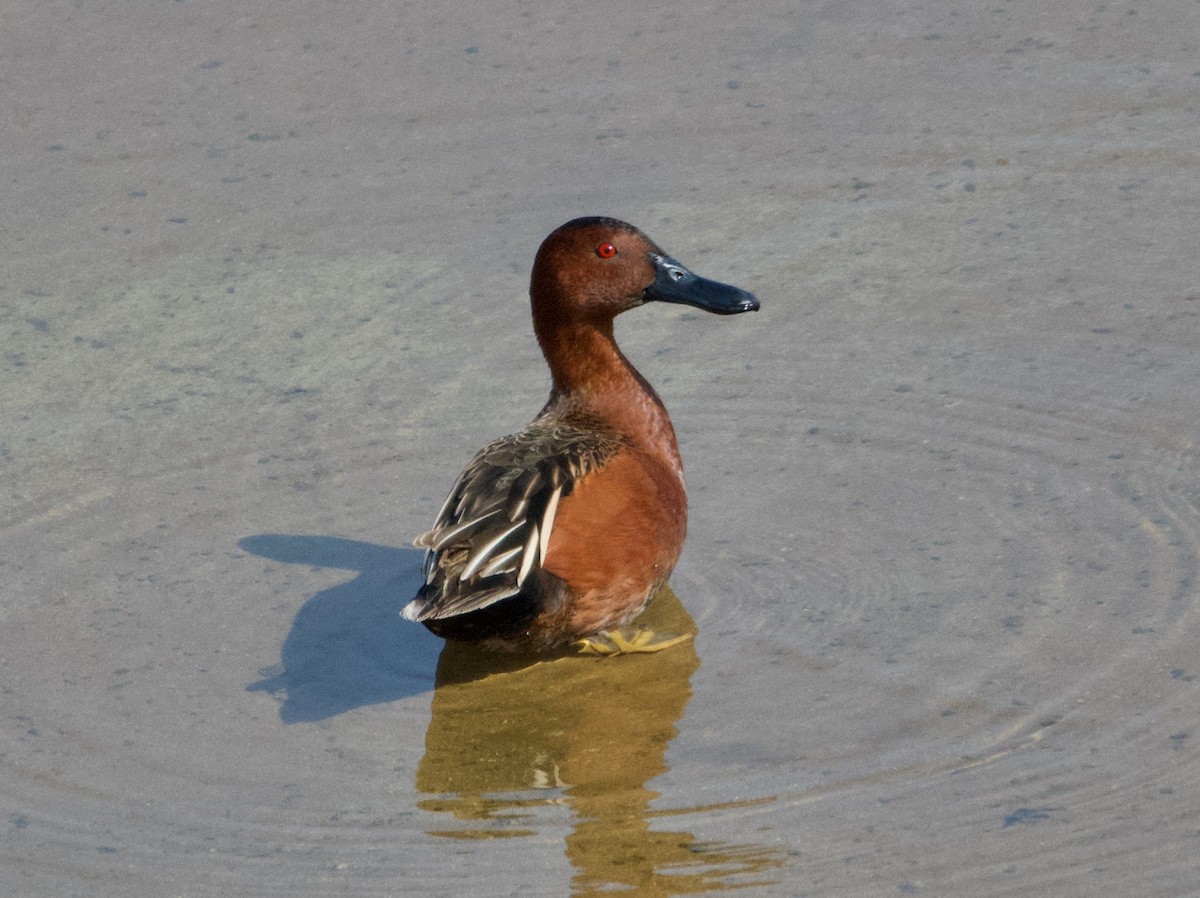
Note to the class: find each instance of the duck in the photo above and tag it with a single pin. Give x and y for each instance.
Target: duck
(555, 538)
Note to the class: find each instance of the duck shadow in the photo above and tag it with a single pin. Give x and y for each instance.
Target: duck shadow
(348, 645)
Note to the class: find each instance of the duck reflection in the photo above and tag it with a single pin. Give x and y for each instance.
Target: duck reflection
(511, 736)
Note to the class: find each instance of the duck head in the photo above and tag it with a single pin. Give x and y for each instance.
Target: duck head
(592, 269)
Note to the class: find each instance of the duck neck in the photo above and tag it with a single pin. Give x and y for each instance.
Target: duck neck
(592, 377)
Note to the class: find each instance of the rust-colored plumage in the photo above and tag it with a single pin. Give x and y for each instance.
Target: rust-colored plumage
(566, 529)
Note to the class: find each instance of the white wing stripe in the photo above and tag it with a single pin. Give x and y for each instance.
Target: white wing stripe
(500, 564)
(548, 522)
(443, 538)
(530, 555)
(481, 556)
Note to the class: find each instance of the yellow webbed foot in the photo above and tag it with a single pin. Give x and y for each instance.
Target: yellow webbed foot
(628, 641)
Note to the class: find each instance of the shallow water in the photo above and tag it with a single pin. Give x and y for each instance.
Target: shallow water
(263, 294)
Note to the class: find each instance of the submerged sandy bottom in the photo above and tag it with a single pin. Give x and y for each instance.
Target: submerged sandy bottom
(262, 294)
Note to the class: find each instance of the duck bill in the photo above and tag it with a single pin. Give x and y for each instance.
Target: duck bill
(675, 283)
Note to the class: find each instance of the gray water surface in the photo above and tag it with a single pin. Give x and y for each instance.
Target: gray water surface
(263, 293)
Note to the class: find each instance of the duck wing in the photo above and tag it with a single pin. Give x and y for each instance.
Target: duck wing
(495, 525)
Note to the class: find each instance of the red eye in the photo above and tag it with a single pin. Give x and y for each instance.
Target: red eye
(606, 250)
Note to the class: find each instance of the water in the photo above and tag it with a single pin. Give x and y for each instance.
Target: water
(943, 550)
